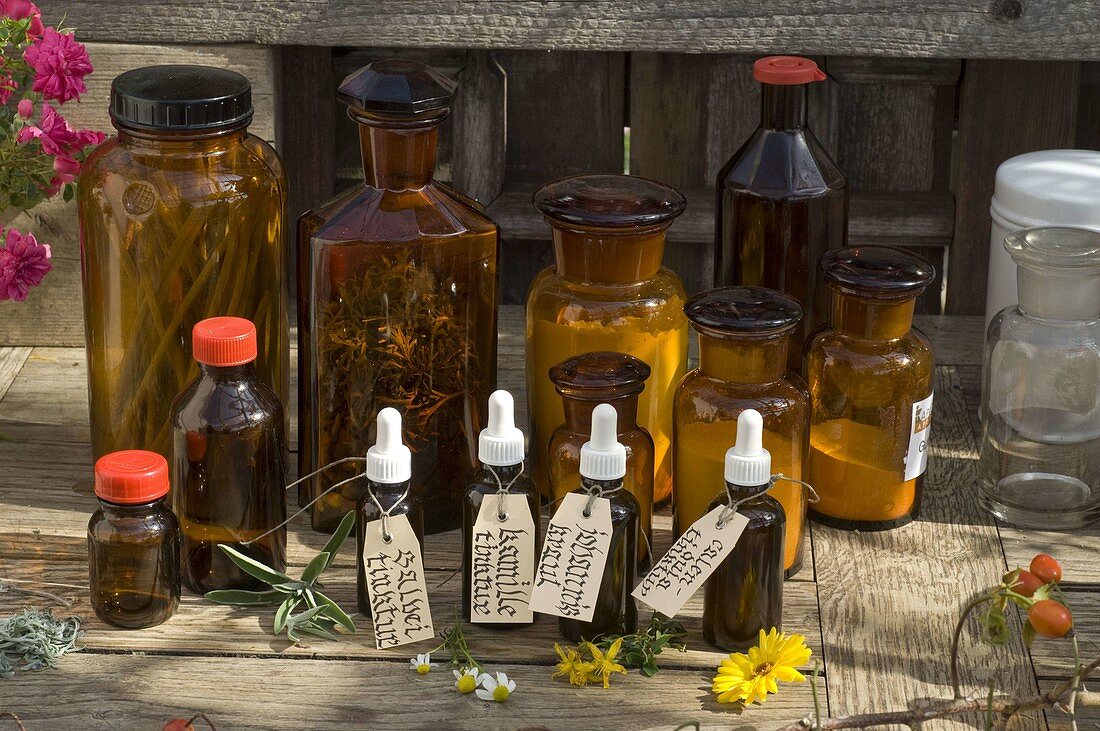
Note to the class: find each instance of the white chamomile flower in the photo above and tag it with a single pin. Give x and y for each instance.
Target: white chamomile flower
(495, 689)
(465, 680)
(422, 663)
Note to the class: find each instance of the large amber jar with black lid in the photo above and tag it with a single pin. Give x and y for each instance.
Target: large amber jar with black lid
(584, 382)
(782, 202)
(744, 336)
(397, 303)
(870, 378)
(181, 219)
(607, 291)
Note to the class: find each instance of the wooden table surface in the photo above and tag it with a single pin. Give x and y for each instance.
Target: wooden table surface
(878, 609)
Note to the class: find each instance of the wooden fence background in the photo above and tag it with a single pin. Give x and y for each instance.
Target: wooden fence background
(918, 137)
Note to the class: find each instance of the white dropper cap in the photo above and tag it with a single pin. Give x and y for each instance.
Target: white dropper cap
(602, 457)
(748, 464)
(500, 444)
(389, 461)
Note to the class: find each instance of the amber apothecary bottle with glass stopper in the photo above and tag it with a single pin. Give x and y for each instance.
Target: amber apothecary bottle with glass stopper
(133, 542)
(870, 378)
(607, 291)
(744, 336)
(782, 202)
(745, 593)
(388, 492)
(500, 451)
(397, 303)
(583, 382)
(603, 467)
(228, 460)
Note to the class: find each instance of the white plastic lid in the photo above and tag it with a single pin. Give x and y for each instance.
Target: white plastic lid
(602, 457)
(500, 444)
(1060, 187)
(748, 464)
(389, 461)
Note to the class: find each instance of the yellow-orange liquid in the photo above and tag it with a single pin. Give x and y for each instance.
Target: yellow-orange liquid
(664, 351)
(700, 477)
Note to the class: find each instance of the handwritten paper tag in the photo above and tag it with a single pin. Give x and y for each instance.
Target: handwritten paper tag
(574, 553)
(502, 561)
(690, 561)
(394, 574)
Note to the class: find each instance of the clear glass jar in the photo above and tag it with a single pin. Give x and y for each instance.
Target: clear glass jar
(1040, 447)
(229, 459)
(782, 202)
(133, 542)
(181, 219)
(607, 291)
(744, 335)
(584, 382)
(397, 303)
(869, 372)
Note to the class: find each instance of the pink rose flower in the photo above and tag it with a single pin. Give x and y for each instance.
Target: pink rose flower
(60, 65)
(56, 135)
(25, 108)
(23, 264)
(66, 168)
(19, 9)
(7, 87)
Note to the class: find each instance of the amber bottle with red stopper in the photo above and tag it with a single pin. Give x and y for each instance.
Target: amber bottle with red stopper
(782, 202)
(133, 542)
(228, 460)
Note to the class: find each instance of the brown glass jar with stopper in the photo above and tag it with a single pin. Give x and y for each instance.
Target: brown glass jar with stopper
(870, 378)
(607, 291)
(782, 202)
(744, 336)
(583, 382)
(397, 302)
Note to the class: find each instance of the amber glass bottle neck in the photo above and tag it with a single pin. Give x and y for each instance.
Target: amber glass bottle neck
(740, 492)
(868, 319)
(578, 412)
(180, 141)
(130, 510)
(242, 372)
(743, 360)
(783, 106)
(504, 472)
(398, 157)
(600, 256)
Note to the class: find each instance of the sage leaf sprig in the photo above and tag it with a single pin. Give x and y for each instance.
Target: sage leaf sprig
(321, 615)
(640, 650)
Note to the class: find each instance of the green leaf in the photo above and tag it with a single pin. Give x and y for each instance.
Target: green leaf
(315, 567)
(650, 669)
(338, 538)
(312, 629)
(241, 597)
(293, 586)
(283, 612)
(296, 619)
(252, 567)
(336, 613)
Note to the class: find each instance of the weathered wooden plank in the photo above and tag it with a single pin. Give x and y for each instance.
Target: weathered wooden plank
(991, 93)
(258, 694)
(889, 600)
(479, 127)
(939, 28)
(11, 361)
(306, 130)
(1077, 550)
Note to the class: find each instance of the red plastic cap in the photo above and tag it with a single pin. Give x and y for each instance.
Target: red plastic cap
(224, 341)
(131, 476)
(786, 70)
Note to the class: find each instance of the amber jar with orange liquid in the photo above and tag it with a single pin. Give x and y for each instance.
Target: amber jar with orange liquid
(744, 334)
(870, 378)
(607, 291)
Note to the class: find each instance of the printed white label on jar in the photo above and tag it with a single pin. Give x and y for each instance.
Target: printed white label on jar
(916, 459)
(502, 561)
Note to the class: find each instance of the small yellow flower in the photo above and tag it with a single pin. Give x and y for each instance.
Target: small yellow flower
(750, 678)
(497, 689)
(465, 680)
(422, 663)
(603, 664)
(572, 666)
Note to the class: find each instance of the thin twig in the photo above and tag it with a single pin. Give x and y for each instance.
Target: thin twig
(974, 604)
(7, 585)
(12, 716)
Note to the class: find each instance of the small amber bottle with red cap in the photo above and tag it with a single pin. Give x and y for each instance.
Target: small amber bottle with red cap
(228, 460)
(133, 542)
(782, 202)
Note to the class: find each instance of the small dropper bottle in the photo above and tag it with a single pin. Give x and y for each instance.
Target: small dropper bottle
(389, 471)
(500, 451)
(745, 593)
(603, 466)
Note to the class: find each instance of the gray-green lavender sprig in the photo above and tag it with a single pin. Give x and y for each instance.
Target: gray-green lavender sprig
(36, 639)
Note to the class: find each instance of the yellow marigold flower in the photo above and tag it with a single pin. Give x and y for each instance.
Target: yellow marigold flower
(572, 666)
(604, 664)
(752, 677)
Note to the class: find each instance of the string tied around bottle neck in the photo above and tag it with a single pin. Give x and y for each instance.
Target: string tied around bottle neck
(503, 489)
(596, 491)
(732, 505)
(387, 537)
(814, 497)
